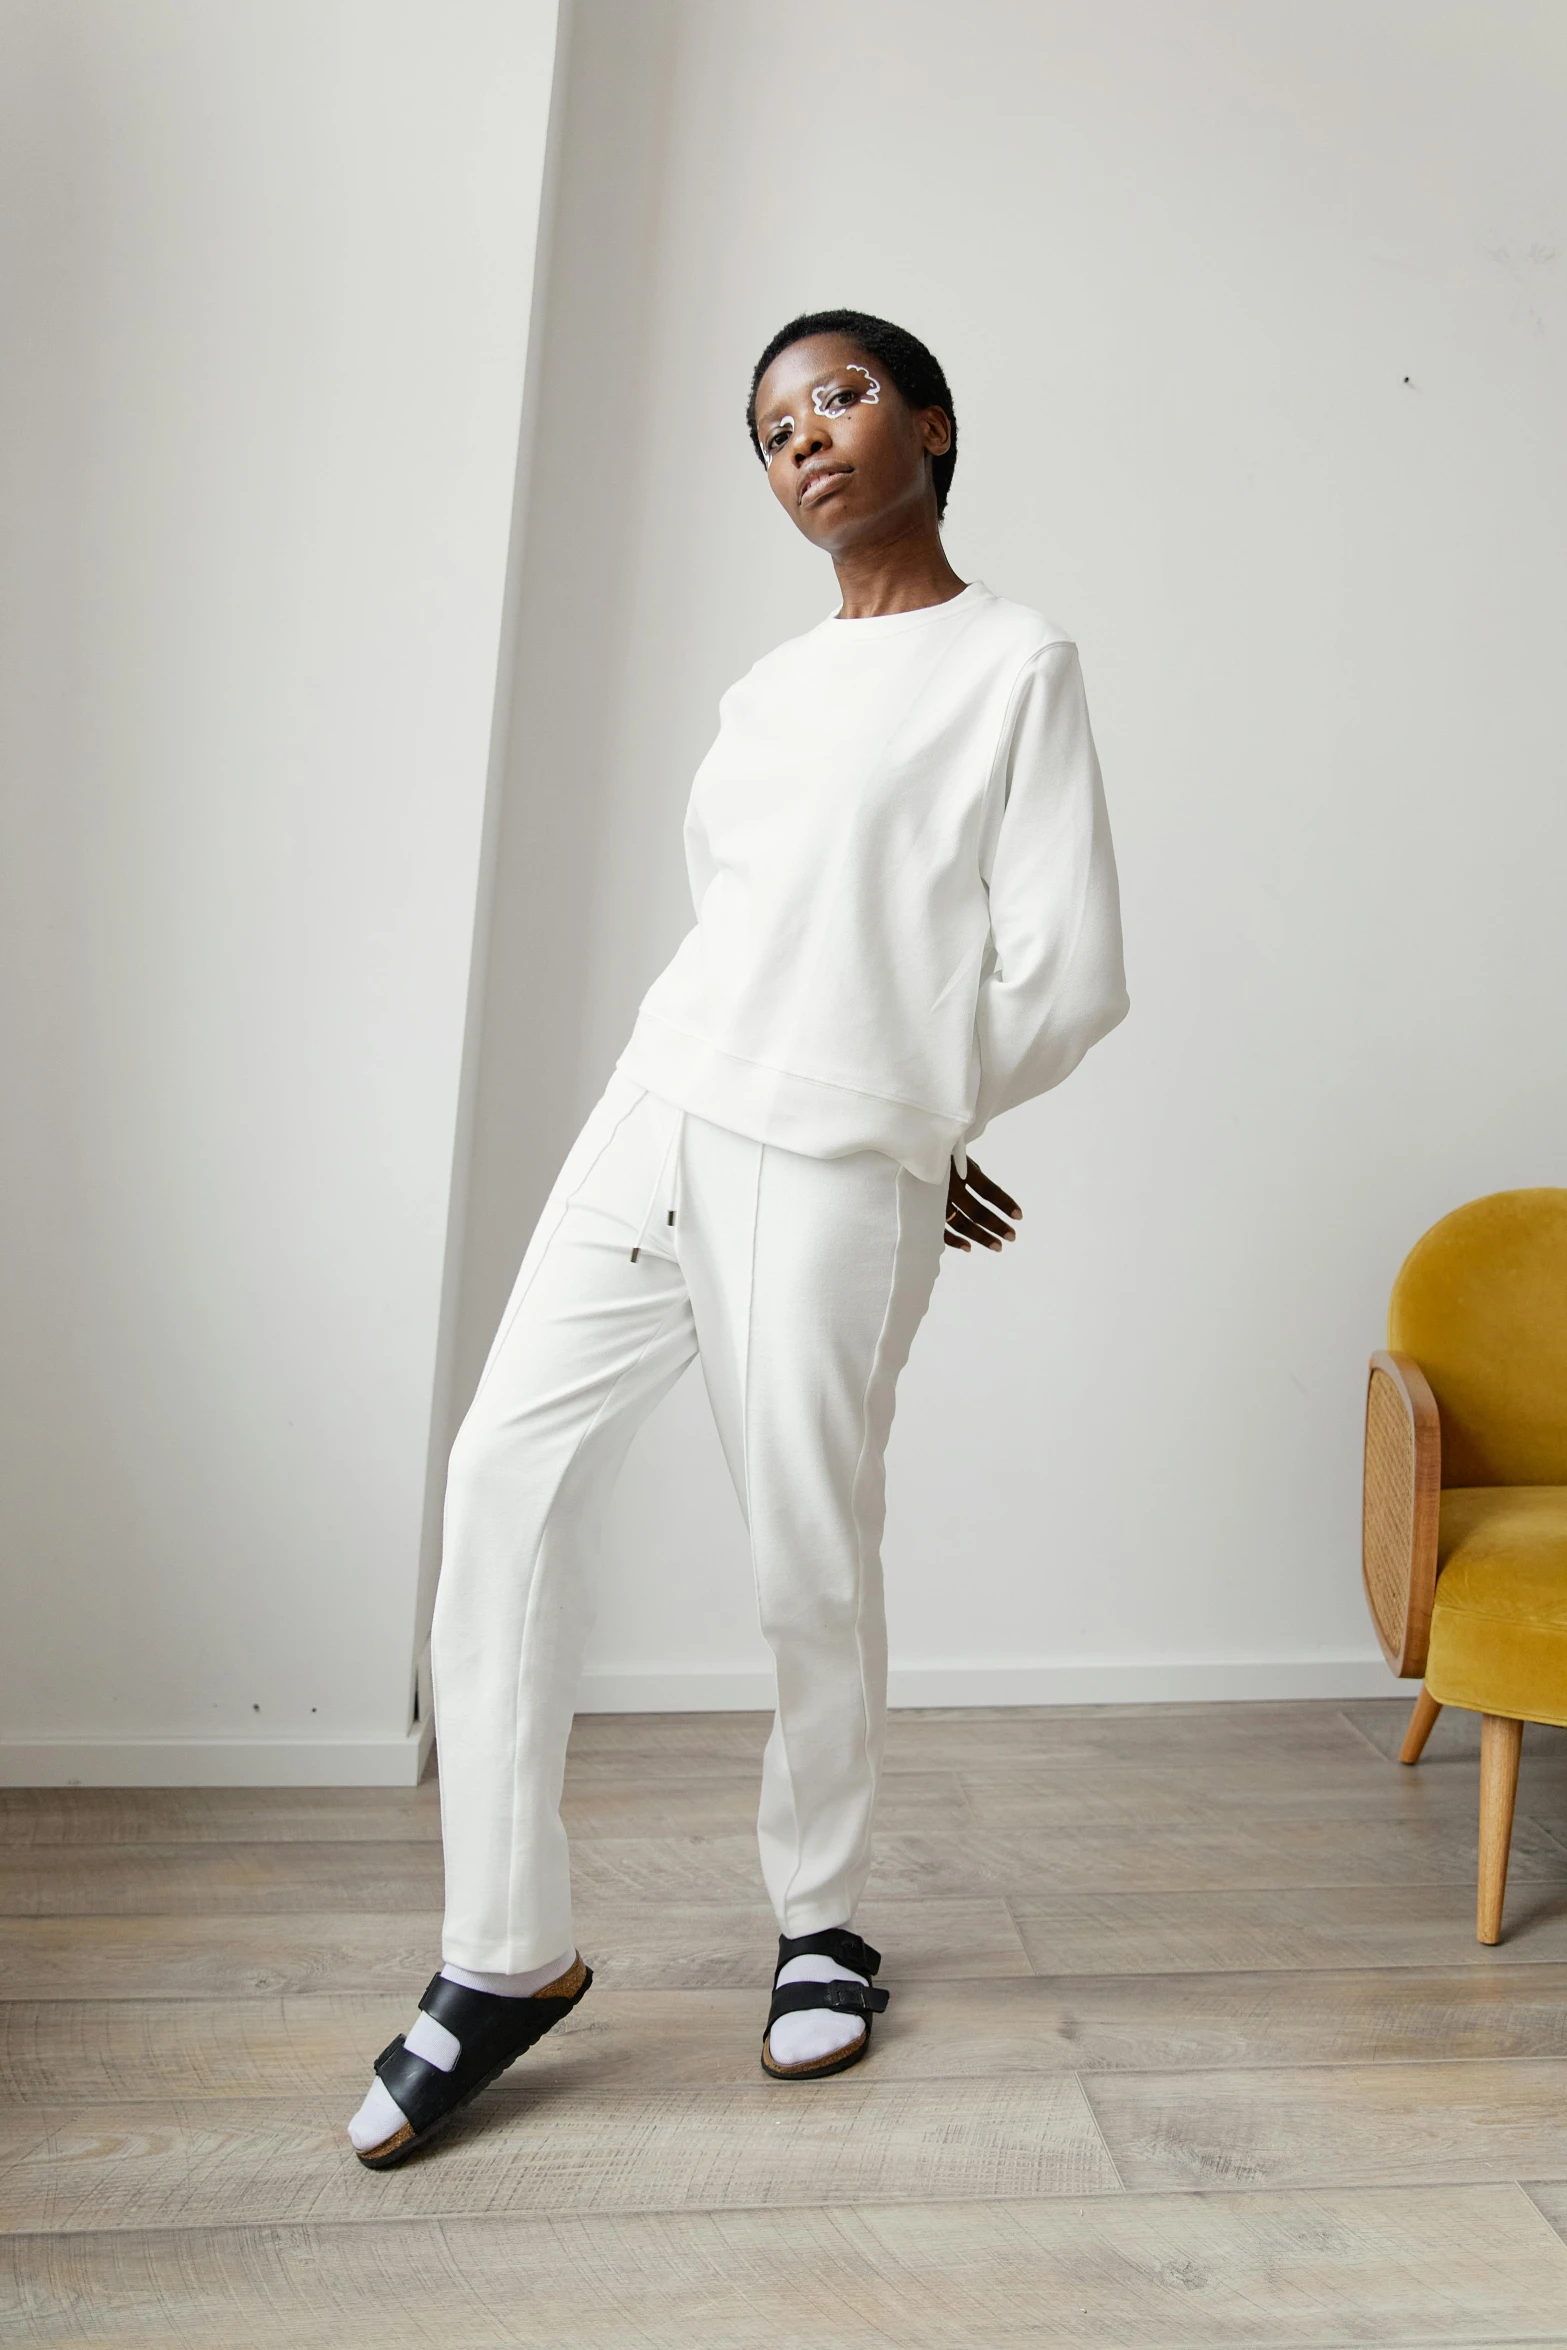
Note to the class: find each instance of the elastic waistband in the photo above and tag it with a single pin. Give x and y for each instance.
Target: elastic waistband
(809, 1115)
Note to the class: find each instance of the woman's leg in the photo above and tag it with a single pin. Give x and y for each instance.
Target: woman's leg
(809, 1278)
(591, 1340)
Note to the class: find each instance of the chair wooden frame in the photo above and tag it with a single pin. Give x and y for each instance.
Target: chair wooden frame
(1401, 1508)
(1400, 1518)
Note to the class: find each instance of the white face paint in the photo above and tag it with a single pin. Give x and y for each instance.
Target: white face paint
(821, 398)
(784, 426)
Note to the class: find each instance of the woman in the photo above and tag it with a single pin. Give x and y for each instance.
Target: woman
(907, 921)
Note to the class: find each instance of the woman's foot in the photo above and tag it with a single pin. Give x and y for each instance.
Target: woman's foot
(467, 2031)
(823, 2001)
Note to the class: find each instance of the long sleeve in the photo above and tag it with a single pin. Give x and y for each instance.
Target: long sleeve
(1055, 982)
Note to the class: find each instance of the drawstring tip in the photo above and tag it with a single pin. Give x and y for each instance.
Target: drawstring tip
(636, 1252)
(671, 1215)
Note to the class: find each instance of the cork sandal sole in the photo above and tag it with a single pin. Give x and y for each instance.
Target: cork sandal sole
(824, 2066)
(408, 2140)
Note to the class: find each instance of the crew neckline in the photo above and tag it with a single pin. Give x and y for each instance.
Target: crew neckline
(888, 623)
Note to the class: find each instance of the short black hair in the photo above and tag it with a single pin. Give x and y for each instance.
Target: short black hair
(917, 373)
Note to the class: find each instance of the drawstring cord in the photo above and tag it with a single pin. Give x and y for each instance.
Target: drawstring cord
(673, 1145)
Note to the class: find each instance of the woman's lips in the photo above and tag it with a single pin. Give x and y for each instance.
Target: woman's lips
(815, 486)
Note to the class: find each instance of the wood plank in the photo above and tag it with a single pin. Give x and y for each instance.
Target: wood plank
(1082, 1932)
(1038, 1795)
(205, 1958)
(1287, 1745)
(87, 2051)
(942, 1863)
(208, 1815)
(1550, 2197)
(617, 1802)
(57, 2051)
(979, 1737)
(667, 1806)
(1433, 2267)
(528, 2145)
(1030, 1794)
(1033, 1795)
(959, 1738)
(1233, 1854)
(667, 1946)
(1384, 2125)
(689, 1742)
(632, 1946)
(216, 1880)
(1382, 1721)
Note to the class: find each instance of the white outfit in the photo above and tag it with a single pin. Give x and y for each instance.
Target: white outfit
(907, 916)
(906, 921)
(801, 1281)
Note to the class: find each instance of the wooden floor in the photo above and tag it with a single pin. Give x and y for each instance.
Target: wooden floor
(1191, 2043)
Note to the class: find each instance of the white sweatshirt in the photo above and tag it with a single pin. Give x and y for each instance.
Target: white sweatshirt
(906, 908)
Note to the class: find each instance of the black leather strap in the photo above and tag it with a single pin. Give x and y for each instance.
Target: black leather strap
(421, 2090)
(844, 1998)
(837, 1942)
(461, 2008)
(846, 1949)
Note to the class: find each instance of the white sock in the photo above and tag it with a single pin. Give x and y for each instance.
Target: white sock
(813, 2033)
(381, 2117)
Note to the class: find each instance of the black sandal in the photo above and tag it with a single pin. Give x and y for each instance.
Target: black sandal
(493, 2032)
(844, 1998)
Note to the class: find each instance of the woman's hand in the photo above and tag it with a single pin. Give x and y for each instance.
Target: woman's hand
(969, 1218)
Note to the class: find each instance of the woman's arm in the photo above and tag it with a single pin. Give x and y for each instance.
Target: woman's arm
(1057, 983)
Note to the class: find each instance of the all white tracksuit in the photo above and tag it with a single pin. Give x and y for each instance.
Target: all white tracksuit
(801, 1281)
(907, 921)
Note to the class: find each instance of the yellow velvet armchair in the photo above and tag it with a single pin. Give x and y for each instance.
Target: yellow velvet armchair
(1465, 1513)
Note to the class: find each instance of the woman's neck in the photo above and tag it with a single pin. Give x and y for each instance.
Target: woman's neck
(903, 575)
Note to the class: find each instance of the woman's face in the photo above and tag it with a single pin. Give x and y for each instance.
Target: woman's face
(846, 456)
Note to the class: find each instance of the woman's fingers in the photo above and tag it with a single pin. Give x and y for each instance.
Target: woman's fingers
(980, 1182)
(958, 1221)
(969, 1219)
(986, 1218)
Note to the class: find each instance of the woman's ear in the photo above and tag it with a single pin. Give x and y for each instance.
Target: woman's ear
(935, 431)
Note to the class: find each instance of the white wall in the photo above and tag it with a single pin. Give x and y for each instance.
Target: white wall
(1255, 321)
(266, 295)
(266, 277)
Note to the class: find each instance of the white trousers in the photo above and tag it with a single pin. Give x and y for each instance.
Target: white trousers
(801, 1283)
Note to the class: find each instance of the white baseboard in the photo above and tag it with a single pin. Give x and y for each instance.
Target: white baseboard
(215, 1762)
(1178, 1682)
(399, 1762)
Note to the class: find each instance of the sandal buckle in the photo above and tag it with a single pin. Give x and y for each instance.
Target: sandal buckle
(854, 1998)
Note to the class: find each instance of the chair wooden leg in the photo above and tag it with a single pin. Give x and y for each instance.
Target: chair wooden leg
(1501, 1740)
(1421, 1723)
